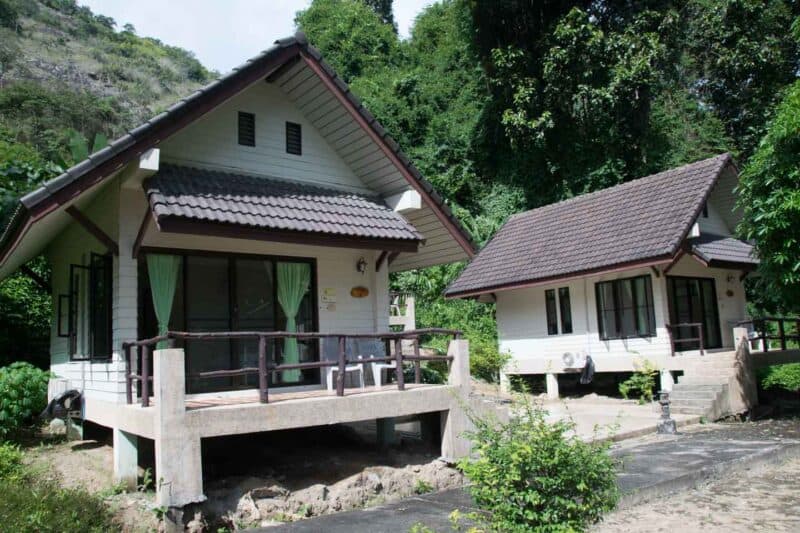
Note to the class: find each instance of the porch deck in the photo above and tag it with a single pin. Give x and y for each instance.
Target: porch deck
(204, 401)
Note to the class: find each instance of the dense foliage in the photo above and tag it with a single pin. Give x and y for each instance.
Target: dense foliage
(533, 475)
(770, 196)
(786, 377)
(23, 395)
(642, 383)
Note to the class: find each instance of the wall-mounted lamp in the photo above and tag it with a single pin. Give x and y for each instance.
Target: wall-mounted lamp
(361, 266)
(730, 278)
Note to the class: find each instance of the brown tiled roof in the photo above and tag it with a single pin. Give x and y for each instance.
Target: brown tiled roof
(103, 163)
(177, 192)
(643, 219)
(718, 249)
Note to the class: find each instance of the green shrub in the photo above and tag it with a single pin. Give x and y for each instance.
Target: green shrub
(531, 475)
(428, 375)
(45, 507)
(785, 377)
(10, 462)
(23, 395)
(642, 382)
(485, 360)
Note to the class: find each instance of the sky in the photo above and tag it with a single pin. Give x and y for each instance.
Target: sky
(223, 33)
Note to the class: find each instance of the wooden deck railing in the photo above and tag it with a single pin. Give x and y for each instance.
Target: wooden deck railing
(672, 340)
(144, 348)
(764, 333)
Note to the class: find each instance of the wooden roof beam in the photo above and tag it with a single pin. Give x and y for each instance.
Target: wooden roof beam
(93, 229)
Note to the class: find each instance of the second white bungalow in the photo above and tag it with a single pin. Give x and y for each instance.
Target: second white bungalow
(646, 270)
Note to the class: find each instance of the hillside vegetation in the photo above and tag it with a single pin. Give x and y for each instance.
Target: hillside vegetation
(68, 77)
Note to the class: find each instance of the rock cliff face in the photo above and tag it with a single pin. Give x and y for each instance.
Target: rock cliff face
(65, 47)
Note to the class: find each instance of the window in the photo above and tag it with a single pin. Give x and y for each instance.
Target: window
(84, 313)
(565, 308)
(247, 129)
(294, 139)
(550, 305)
(625, 308)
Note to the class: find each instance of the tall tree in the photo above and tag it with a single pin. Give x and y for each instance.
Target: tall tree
(384, 10)
(740, 56)
(769, 194)
(352, 36)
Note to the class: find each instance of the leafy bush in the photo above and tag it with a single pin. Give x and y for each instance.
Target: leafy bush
(428, 375)
(23, 395)
(10, 462)
(532, 475)
(642, 382)
(785, 377)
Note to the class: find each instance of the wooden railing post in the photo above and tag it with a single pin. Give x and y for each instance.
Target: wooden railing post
(263, 381)
(342, 366)
(782, 333)
(417, 365)
(764, 336)
(398, 355)
(126, 349)
(145, 376)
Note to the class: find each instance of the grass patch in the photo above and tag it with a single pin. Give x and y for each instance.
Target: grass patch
(31, 503)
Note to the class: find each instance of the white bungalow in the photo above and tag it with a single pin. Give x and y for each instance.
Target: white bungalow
(646, 270)
(269, 201)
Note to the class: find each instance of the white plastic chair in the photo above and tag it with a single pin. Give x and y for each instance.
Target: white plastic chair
(331, 353)
(374, 349)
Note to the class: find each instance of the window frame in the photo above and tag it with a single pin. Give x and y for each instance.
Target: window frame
(566, 327)
(551, 313)
(81, 308)
(616, 293)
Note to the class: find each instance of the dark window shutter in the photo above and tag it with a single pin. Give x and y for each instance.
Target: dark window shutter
(550, 308)
(247, 129)
(294, 138)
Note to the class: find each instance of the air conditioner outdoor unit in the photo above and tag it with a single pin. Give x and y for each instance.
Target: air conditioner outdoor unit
(574, 360)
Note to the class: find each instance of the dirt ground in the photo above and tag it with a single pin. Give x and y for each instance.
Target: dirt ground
(258, 480)
(768, 500)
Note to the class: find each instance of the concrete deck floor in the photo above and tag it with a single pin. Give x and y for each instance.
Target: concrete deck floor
(614, 418)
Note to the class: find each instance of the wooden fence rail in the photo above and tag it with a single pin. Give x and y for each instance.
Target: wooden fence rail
(673, 341)
(144, 348)
(763, 331)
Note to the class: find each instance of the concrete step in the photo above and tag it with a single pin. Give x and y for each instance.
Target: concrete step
(693, 402)
(690, 394)
(690, 410)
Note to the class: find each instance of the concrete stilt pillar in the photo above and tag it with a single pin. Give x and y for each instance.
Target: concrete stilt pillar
(505, 383)
(386, 432)
(455, 422)
(179, 465)
(551, 380)
(667, 381)
(126, 459)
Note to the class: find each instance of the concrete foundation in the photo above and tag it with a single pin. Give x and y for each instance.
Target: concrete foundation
(178, 431)
(551, 380)
(126, 459)
(385, 428)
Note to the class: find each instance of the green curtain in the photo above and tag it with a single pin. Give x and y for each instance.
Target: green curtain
(163, 272)
(293, 282)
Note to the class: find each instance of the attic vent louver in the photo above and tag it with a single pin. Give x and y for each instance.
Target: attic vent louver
(294, 139)
(247, 129)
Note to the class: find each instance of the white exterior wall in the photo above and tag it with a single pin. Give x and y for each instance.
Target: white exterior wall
(101, 380)
(522, 322)
(714, 223)
(212, 142)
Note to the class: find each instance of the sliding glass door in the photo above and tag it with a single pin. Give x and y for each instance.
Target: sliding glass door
(236, 293)
(694, 300)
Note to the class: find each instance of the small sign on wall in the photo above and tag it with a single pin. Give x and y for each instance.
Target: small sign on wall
(329, 295)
